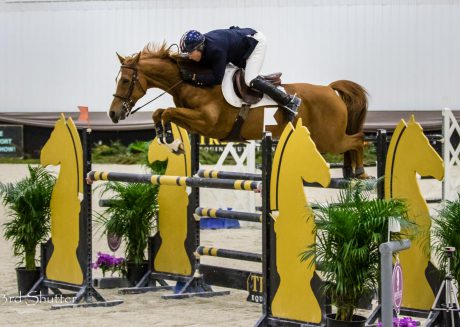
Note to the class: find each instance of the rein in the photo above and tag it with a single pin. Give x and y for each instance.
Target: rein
(135, 110)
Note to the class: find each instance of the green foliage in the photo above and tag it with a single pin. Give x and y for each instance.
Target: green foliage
(135, 153)
(349, 234)
(131, 216)
(117, 153)
(446, 233)
(28, 204)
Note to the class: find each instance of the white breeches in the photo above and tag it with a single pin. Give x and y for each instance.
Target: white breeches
(256, 59)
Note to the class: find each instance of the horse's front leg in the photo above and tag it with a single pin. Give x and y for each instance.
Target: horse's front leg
(190, 119)
(167, 137)
(158, 124)
(197, 120)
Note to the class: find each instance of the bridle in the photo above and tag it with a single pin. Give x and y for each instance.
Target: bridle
(126, 100)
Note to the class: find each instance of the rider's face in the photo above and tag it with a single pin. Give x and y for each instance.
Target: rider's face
(195, 55)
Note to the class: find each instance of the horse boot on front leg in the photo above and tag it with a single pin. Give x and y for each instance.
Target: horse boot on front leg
(174, 145)
(159, 132)
(289, 103)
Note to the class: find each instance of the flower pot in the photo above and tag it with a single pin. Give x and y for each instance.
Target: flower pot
(26, 279)
(358, 321)
(134, 272)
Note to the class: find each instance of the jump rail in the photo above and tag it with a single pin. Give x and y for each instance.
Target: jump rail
(243, 185)
(229, 254)
(228, 214)
(336, 183)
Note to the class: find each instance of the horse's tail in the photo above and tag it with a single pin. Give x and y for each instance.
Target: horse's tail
(355, 98)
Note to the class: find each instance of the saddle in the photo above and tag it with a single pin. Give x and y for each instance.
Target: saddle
(250, 95)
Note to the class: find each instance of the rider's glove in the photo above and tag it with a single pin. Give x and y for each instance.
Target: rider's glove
(188, 76)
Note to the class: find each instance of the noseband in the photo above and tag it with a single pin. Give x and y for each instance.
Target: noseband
(126, 100)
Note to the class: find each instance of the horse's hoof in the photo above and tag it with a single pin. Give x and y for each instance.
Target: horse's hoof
(364, 176)
(175, 146)
(180, 150)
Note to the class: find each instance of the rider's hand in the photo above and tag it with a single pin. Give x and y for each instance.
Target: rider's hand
(187, 76)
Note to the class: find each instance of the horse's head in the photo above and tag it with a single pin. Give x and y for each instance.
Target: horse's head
(51, 153)
(421, 154)
(310, 163)
(131, 86)
(296, 160)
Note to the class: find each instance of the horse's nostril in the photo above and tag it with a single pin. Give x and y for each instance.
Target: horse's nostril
(111, 114)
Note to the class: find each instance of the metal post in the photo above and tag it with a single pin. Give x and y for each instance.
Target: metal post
(386, 272)
(266, 221)
(381, 158)
(87, 206)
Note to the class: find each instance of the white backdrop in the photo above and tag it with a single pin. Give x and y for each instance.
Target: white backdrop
(55, 55)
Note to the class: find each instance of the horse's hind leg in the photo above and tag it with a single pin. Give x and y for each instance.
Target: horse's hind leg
(353, 149)
(358, 159)
(348, 169)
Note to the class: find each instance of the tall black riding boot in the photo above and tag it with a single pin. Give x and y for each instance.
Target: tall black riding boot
(289, 102)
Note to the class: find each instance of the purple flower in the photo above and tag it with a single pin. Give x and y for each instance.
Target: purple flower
(402, 322)
(107, 262)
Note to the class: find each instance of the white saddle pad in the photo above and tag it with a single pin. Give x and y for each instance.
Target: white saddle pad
(230, 95)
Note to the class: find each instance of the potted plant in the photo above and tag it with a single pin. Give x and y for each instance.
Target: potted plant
(131, 218)
(446, 231)
(349, 233)
(28, 205)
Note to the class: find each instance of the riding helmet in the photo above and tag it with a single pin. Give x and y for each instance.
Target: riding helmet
(191, 40)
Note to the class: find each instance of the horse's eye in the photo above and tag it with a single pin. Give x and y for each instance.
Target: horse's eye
(124, 81)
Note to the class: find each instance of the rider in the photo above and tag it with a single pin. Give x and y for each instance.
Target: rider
(243, 47)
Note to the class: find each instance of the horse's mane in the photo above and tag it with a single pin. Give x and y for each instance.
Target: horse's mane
(163, 51)
(159, 50)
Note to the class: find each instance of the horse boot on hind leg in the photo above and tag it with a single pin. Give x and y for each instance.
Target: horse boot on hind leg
(353, 166)
(289, 103)
(348, 169)
(168, 139)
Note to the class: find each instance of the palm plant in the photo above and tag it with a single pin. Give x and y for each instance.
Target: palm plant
(349, 233)
(28, 204)
(446, 233)
(131, 216)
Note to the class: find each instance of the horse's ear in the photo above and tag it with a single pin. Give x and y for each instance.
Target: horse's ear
(121, 58)
(136, 58)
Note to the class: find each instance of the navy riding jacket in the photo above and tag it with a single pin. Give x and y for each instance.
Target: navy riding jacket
(221, 47)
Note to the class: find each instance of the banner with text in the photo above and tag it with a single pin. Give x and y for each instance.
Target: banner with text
(11, 141)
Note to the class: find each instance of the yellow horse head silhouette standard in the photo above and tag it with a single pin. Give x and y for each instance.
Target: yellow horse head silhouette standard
(410, 153)
(173, 229)
(64, 148)
(296, 160)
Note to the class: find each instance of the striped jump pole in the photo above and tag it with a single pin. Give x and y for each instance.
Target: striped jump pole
(211, 173)
(227, 184)
(336, 183)
(229, 254)
(228, 214)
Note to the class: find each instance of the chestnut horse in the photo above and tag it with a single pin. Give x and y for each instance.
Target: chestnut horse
(334, 114)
